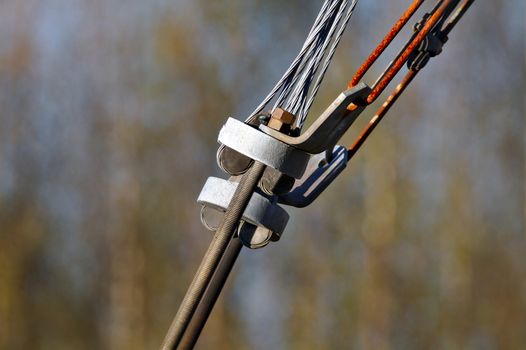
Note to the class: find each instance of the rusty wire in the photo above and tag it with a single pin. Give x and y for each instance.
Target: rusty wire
(439, 12)
(442, 12)
(385, 42)
(400, 61)
(380, 114)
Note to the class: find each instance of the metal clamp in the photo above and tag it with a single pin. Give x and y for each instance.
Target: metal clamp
(431, 46)
(259, 146)
(318, 176)
(325, 132)
(263, 220)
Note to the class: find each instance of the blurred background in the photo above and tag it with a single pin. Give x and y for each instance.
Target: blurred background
(109, 113)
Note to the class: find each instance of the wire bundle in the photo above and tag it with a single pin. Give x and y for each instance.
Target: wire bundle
(297, 88)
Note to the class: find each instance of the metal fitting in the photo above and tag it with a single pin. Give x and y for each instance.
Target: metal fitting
(261, 212)
(282, 121)
(325, 132)
(232, 162)
(255, 237)
(255, 144)
(430, 46)
(319, 175)
(273, 182)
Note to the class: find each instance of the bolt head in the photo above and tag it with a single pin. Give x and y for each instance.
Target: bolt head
(281, 120)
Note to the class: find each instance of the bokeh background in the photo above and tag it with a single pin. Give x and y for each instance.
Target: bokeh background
(109, 112)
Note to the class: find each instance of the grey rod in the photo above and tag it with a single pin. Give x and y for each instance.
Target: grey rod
(213, 256)
(213, 291)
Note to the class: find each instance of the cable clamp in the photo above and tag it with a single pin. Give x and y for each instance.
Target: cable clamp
(263, 220)
(243, 143)
(430, 46)
(321, 172)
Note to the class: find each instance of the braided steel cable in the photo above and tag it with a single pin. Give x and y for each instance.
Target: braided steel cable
(298, 86)
(304, 93)
(326, 63)
(295, 65)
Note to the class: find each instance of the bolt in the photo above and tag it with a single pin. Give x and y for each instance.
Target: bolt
(281, 120)
(264, 119)
(273, 182)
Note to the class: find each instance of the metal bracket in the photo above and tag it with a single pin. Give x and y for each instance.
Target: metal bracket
(318, 176)
(266, 149)
(325, 132)
(269, 218)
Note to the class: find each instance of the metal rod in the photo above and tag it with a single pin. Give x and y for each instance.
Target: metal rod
(402, 50)
(373, 123)
(389, 75)
(213, 256)
(447, 13)
(380, 114)
(457, 15)
(385, 42)
(213, 291)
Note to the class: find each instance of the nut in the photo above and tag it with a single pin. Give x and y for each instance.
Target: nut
(281, 120)
(255, 237)
(275, 183)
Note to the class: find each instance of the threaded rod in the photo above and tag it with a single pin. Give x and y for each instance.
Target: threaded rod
(213, 256)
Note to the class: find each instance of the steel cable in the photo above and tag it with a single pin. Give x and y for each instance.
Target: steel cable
(300, 83)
